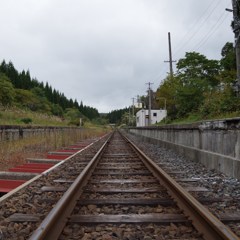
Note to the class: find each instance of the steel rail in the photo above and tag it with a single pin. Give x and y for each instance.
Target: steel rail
(9, 194)
(203, 220)
(53, 224)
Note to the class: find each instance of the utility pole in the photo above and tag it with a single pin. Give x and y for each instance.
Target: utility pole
(236, 30)
(129, 114)
(149, 103)
(170, 56)
(133, 111)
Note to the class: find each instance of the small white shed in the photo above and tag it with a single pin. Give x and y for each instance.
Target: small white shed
(156, 116)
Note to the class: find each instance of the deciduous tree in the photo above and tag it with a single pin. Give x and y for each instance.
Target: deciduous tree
(7, 92)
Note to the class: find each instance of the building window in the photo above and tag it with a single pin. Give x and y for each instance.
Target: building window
(154, 114)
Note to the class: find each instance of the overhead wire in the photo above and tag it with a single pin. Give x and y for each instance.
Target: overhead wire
(199, 27)
(210, 33)
(161, 75)
(193, 25)
(208, 12)
(164, 65)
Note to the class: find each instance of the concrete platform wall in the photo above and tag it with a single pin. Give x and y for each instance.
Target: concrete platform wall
(11, 133)
(216, 144)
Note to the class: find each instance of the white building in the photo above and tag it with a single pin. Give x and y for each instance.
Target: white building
(156, 116)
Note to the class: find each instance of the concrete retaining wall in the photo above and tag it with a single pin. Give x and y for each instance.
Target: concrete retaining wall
(216, 144)
(11, 133)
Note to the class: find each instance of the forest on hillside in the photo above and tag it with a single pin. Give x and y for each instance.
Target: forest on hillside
(20, 90)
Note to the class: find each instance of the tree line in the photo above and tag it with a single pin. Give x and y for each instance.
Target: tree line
(201, 88)
(21, 90)
(118, 116)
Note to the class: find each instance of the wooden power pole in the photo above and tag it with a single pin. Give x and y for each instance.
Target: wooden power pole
(236, 30)
(170, 55)
(149, 104)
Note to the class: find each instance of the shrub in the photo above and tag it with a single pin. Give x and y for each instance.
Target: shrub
(26, 120)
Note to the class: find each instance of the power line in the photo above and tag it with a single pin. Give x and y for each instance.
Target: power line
(162, 73)
(163, 67)
(193, 25)
(206, 14)
(210, 33)
(198, 32)
(198, 27)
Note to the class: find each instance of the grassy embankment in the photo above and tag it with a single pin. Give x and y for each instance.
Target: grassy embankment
(15, 152)
(198, 118)
(16, 116)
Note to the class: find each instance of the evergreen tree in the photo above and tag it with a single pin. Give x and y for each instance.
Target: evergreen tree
(75, 104)
(38, 96)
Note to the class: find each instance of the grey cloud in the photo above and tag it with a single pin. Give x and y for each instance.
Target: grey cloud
(104, 51)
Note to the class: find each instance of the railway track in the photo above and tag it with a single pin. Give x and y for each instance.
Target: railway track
(121, 194)
(120, 189)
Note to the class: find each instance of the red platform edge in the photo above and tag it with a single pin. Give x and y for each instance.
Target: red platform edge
(9, 184)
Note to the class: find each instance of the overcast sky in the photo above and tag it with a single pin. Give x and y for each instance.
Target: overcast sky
(103, 52)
